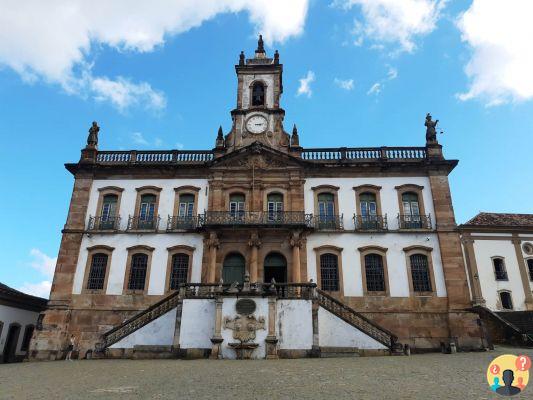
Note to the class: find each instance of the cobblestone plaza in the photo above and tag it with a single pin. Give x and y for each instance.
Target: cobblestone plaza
(427, 376)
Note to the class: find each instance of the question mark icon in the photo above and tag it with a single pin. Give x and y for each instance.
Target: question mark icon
(495, 369)
(523, 363)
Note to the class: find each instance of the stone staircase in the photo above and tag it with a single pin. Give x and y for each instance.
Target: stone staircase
(516, 326)
(307, 291)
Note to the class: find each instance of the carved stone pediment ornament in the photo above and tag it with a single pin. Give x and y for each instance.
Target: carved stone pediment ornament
(244, 327)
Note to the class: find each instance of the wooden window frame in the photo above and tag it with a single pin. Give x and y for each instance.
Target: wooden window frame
(334, 190)
(320, 250)
(143, 249)
(180, 190)
(91, 251)
(141, 191)
(504, 268)
(500, 299)
(427, 251)
(104, 191)
(274, 190)
(419, 191)
(237, 190)
(362, 189)
(183, 249)
(381, 251)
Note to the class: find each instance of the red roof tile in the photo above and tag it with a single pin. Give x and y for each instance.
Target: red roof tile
(500, 219)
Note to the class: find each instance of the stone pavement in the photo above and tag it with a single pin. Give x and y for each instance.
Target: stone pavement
(428, 376)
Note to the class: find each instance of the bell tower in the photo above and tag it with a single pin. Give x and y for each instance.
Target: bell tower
(258, 115)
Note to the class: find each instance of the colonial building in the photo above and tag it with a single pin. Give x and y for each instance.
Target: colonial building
(338, 246)
(498, 251)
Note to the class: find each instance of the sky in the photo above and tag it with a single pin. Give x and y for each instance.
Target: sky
(160, 74)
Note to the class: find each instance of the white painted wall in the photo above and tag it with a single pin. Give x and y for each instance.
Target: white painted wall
(197, 324)
(121, 242)
(484, 250)
(228, 310)
(388, 195)
(9, 315)
(396, 260)
(267, 79)
(159, 332)
(334, 332)
(294, 325)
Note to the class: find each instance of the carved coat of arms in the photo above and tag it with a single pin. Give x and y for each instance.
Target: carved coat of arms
(244, 327)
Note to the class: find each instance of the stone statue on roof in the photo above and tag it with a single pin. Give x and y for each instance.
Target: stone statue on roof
(431, 132)
(92, 139)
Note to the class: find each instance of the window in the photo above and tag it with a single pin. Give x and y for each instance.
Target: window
(236, 205)
(420, 273)
(97, 272)
(374, 272)
(500, 273)
(258, 94)
(506, 300)
(147, 210)
(233, 268)
(139, 266)
(326, 210)
(275, 207)
(186, 205)
(329, 272)
(179, 270)
(28, 332)
(109, 207)
(369, 211)
(411, 210)
(530, 268)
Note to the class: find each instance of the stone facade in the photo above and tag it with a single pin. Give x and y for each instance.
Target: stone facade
(283, 238)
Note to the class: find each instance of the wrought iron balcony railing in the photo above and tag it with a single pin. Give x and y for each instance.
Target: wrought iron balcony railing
(137, 223)
(370, 222)
(103, 223)
(328, 222)
(276, 218)
(178, 223)
(414, 221)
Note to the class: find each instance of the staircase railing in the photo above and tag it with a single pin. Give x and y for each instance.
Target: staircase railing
(355, 319)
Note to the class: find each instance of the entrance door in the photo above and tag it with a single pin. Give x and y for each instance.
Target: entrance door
(233, 268)
(10, 347)
(275, 266)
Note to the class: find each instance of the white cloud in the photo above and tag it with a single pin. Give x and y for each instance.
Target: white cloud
(43, 263)
(122, 93)
(501, 66)
(392, 73)
(179, 146)
(375, 89)
(41, 289)
(394, 22)
(54, 41)
(346, 84)
(305, 84)
(138, 138)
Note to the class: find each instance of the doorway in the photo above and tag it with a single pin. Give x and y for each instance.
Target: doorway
(233, 268)
(275, 266)
(10, 346)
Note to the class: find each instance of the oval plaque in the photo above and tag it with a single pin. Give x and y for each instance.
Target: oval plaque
(245, 306)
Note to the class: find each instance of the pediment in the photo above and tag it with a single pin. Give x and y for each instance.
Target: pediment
(258, 156)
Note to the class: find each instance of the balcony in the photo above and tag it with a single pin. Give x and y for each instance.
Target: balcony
(328, 222)
(370, 222)
(256, 218)
(414, 222)
(181, 223)
(137, 223)
(103, 224)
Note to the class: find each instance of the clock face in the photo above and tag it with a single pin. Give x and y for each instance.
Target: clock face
(256, 124)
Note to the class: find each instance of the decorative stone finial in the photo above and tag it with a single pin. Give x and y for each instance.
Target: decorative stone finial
(260, 45)
(220, 138)
(276, 57)
(431, 133)
(295, 139)
(241, 58)
(92, 139)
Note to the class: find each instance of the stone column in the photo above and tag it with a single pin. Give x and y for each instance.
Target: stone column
(295, 242)
(213, 244)
(254, 243)
(271, 339)
(216, 340)
(473, 276)
(523, 272)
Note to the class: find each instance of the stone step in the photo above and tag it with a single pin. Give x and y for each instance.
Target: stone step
(334, 352)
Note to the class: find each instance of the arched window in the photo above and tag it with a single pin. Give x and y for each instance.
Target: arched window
(420, 273)
(233, 268)
(530, 268)
(236, 205)
(500, 273)
(258, 94)
(374, 273)
(139, 266)
(28, 332)
(275, 266)
(179, 270)
(275, 207)
(97, 272)
(329, 272)
(506, 300)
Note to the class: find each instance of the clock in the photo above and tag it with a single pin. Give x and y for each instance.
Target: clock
(256, 124)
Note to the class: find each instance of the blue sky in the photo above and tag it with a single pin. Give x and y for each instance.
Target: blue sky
(356, 73)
